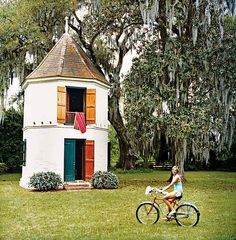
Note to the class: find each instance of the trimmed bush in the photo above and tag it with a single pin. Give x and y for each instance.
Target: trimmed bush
(103, 179)
(45, 181)
(3, 167)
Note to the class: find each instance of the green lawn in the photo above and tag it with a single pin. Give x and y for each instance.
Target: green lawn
(110, 214)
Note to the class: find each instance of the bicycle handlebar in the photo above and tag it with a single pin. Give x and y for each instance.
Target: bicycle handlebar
(150, 190)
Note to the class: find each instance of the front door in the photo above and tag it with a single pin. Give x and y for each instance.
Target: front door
(74, 159)
(78, 159)
(69, 158)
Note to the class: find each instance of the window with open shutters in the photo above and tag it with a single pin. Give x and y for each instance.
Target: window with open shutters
(71, 100)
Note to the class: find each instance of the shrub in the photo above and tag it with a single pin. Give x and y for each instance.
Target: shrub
(11, 136)
(44, 181)
(3, 168)
(103, 179)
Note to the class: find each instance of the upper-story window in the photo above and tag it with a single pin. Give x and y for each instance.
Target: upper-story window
(75, 102)
(71, 100)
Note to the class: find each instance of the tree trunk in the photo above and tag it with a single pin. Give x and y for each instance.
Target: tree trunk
(127, 150)
(179, 155)
(126, 160)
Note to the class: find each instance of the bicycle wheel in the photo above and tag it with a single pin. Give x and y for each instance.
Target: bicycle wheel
(187, 215)
(147, 213)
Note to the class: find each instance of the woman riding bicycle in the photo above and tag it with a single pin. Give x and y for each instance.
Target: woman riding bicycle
(178, 190)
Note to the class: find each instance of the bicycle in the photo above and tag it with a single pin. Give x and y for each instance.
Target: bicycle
(148, 212)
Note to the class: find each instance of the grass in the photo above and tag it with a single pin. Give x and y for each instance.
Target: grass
(110, 214)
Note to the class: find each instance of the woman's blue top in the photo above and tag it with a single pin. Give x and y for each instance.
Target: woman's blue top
(178, 188)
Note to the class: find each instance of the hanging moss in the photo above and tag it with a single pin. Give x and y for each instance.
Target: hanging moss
(185, 69)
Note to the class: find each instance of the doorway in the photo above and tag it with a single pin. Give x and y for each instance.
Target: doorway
(74, 159)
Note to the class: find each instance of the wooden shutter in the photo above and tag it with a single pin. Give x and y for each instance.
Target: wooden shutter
(61, 104)
(91, 106)
(89, 159)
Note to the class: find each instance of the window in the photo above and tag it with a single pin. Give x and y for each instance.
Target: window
(75, 102)
(73, 99)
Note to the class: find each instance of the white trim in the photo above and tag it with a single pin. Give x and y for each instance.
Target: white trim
(64, 126)
(58, 79)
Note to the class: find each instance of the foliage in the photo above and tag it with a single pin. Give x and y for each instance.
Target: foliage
(31, 28)
(28, 31)
(11, 139)
(103, 179)
(45, 181)
(108, 36)
(227, 158)
(112, 136)
(179, 86)
(178, 28)
(3, 167)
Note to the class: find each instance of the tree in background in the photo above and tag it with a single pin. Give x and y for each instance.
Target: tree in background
(108, 35)
(114, 150)
(31, 28)
(11, 139)
(28, 31)
(181, 88)
(188, 39)
(108, 32)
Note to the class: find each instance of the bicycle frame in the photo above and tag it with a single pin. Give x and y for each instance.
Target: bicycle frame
(158, 201)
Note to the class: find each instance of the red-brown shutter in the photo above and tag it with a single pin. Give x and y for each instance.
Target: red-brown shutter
(61, 104)
(91, 106)
(89, 159)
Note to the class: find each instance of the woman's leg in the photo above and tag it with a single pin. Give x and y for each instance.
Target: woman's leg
(165, 200)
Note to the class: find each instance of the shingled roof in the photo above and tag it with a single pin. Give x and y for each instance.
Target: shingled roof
(67, 59)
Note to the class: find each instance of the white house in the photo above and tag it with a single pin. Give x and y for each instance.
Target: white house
(64, 83)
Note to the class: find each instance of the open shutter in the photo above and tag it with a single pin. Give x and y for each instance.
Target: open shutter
(90, 106)
(61, 104)
(89, 159)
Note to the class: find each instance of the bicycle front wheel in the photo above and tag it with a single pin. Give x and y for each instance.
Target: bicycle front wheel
(147, 213)
(187, 215)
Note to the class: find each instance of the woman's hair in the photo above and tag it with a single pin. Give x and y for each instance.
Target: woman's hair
(176, 168)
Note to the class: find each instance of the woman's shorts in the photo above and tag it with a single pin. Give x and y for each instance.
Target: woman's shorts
(177, 194)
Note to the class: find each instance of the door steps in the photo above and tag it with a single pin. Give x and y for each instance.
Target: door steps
(77, 185)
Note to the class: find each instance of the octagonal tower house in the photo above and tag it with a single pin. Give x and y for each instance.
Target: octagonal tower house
(65, 115)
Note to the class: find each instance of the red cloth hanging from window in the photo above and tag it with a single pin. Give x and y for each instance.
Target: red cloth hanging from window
(79, 122)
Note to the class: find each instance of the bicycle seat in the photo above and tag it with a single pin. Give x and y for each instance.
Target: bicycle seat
(175, 198)
(178, 198)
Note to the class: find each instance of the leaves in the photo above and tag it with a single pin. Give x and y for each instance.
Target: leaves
(28, 29)
(11, 139)
(183, 90)
(106, 180)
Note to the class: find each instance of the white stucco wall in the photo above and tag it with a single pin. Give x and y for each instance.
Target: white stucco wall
(40, 103)
(45, 137)
(45, 149)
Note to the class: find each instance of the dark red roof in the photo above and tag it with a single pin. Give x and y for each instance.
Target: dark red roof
(67, 59)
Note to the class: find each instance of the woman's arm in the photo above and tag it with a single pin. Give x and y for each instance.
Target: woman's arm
(174, 180)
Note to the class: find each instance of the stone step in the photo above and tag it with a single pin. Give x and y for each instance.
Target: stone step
(77, 185)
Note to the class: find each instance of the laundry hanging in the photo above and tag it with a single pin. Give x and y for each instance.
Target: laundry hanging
(79, 122)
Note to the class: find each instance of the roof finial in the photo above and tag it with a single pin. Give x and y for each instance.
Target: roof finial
(66, 25)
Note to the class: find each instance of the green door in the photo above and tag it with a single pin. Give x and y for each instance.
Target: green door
(69, 158)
